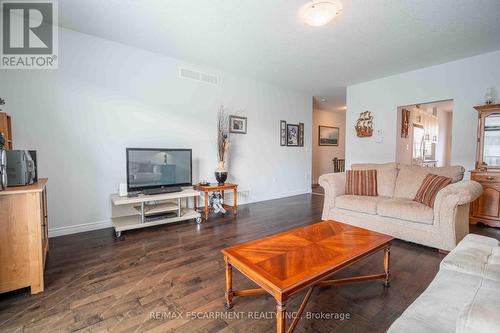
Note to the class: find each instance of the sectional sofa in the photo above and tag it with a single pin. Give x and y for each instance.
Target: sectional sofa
(464, 296)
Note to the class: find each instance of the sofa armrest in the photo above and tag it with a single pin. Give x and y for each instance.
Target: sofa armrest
(334, 185)
(465, 191)
(451, 210)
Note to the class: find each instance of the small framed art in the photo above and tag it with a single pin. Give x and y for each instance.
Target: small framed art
(282, 133)
(328, 136)
(238, 124)
(292, 135)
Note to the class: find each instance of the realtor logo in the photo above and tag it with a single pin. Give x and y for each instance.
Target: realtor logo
(28, 34)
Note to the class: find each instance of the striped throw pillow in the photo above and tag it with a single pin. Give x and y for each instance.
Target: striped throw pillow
(361, 182)
(430, 187)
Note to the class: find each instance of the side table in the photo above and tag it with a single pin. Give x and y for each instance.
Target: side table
(206, 189)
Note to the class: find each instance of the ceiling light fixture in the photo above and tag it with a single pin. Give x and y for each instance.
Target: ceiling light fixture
(319, 13)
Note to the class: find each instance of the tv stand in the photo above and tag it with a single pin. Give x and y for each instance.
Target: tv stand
(162, 190)
(131, 212)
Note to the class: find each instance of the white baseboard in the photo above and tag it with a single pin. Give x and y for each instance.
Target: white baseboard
(74, 229)
(281, 195)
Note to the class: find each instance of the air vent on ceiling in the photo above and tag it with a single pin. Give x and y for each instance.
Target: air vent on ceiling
(192, 74)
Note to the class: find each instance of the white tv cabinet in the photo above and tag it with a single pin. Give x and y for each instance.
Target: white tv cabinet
(132, 212)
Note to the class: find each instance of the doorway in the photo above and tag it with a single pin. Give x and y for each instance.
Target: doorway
(328, 142)
(424, 134)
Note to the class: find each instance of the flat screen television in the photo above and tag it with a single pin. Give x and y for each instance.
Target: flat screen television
(156, 168)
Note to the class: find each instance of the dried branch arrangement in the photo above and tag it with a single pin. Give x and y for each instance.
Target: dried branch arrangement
(222, 137)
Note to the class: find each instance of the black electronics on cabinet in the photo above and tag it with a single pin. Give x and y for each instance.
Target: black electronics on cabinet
(21, 167)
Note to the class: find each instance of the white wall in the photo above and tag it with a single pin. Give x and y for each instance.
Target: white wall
(465, 81)
(106, 96)
(322, 156)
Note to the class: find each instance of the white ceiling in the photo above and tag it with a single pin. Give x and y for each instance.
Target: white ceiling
(266, 40)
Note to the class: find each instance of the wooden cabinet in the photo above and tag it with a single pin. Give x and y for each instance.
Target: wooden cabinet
(23, 237)
(6, 129)
(486, 209)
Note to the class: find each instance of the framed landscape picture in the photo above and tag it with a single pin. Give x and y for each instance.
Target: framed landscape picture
(292, 135)
(238, 124)
(282, 133)
(328, 136)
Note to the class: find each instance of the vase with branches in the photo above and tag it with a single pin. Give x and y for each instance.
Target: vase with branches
(222, 145)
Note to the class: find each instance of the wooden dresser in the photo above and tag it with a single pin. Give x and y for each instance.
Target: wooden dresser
(486, 209)
(23, 237)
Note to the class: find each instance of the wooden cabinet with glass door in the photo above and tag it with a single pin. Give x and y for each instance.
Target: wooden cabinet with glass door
(486, 209)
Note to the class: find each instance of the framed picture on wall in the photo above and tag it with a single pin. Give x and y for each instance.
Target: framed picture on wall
(292, 135)
(328, 136)
(238, 124)
(282, 133)
(301, 134)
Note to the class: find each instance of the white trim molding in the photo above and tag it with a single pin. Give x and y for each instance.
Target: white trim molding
(281, 195)
(74, 229)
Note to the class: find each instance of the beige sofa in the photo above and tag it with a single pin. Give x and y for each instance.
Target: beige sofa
(395, 213)
(464, 295)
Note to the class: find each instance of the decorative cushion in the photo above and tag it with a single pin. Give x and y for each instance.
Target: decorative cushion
(411, 177)
(361, 182)
(430, 187)
(386, 176)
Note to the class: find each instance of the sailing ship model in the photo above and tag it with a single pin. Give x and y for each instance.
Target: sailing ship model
(364, 124)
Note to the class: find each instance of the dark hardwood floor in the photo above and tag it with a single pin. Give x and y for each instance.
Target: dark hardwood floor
(316, 189)
(95, 282)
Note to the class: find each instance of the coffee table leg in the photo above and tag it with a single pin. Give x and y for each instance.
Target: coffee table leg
(387, 268)
(280, 317)
(229, 285)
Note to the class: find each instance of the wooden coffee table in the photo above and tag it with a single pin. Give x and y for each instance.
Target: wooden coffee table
(302, 258)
